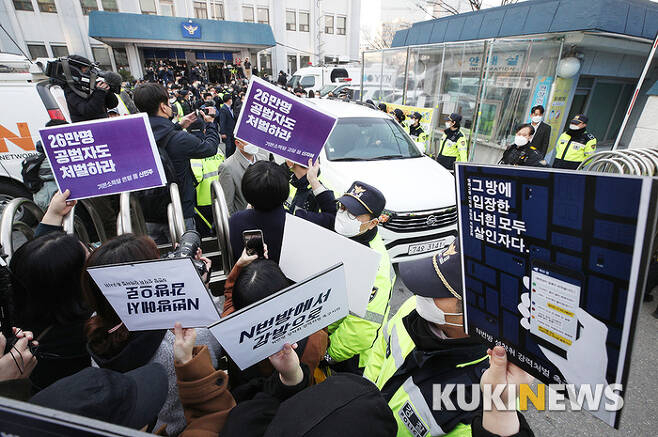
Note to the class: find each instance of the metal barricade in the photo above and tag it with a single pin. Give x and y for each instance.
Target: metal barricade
(129, 208)
(73, 224)
(175, 214)
(220, 215)
(638, 162)
(8, 224)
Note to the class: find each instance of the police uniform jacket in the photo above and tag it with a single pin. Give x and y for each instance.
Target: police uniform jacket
(408, 359)
(575, 146)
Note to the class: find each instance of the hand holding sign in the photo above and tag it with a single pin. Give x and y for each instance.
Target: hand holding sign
(58, 208)
(184, 344)
(286, 362)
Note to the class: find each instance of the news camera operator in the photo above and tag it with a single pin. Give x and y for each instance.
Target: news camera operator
(88, 94)
(179, 147)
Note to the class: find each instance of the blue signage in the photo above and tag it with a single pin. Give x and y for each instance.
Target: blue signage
(191, 29)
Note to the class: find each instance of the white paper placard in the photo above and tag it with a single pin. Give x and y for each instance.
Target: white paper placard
(261, 329)
(308, 248)
(156, 294)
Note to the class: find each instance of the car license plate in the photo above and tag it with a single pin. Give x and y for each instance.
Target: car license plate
(429, 246)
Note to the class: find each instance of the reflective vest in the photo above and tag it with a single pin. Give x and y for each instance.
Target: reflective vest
(411, 404)
(457, 148)
(205, 171)
(575, 150)
(355, 335)
(179, 111)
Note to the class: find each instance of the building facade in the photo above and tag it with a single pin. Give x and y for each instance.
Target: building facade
(304, 31)
(494, 65)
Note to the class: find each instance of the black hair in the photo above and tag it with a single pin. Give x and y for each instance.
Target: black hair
(258, 280)
(382, 107)
(46, 285)
(265, 185)
(124, 248)
(399, 115)
(149, 96)
(534, 108)
(311, 94)
(524, 126)
(226, 98)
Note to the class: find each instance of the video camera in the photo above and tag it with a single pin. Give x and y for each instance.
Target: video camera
(81, 75)
(190, 242)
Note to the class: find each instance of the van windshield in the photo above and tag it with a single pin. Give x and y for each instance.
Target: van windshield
(369, 139)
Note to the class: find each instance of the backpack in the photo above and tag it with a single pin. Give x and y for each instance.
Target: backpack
(154, 201)
(30, 172)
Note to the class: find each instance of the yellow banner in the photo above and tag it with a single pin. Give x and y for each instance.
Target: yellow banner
(557, 110)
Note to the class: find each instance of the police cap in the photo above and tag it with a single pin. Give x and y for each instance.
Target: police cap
(362, 198)
(437, 276)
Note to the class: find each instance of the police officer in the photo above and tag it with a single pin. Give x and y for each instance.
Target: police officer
(453, 145)
(574, 145)
(352, 337)
(399, 116)
(522, 152)
(205, 171)
(415, 129)
(180, 106)
(424, 344)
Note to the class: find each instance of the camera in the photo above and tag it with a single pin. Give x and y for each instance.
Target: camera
(81, 75)
(190, 242)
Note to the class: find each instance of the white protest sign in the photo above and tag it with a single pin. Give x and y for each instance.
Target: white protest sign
(155, 294)
(298, 262)
(261, 329)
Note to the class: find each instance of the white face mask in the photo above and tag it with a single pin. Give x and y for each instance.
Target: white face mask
(448, 124)
(428, 310)
(250, 149)
(520, 140)
(574, 127)
(346, 226)
(537, 118)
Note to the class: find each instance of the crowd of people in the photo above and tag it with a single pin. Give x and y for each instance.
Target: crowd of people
(370, 375)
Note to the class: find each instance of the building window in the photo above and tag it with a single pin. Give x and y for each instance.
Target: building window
(217, 9)
(37, 51)
(263, 16)
(23, 5)
(291, 20)
(341, 25)
(304, 19)
(292, 64)
(110, 5)
(167, 8)
(59, 50)
(328, 24)
(304, 61)
(248, 14)
(200, 10)
(102, 57)
(121, 59)
(88, 6)
(148, 7)
(47, 6)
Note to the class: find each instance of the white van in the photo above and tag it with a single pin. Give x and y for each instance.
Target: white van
(30, 101)
(369, 146)
(316, 78)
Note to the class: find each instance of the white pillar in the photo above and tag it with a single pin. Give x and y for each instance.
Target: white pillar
(134, 61)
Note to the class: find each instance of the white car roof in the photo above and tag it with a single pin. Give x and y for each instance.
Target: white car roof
(347, 109)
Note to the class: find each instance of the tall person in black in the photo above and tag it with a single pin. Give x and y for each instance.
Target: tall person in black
(542, 135)
(227, 124)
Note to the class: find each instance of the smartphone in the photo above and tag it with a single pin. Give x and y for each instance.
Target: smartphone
(555, 293)
(253, 242)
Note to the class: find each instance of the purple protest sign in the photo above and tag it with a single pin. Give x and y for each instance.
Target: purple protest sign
(281, 123)
(101, 157)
